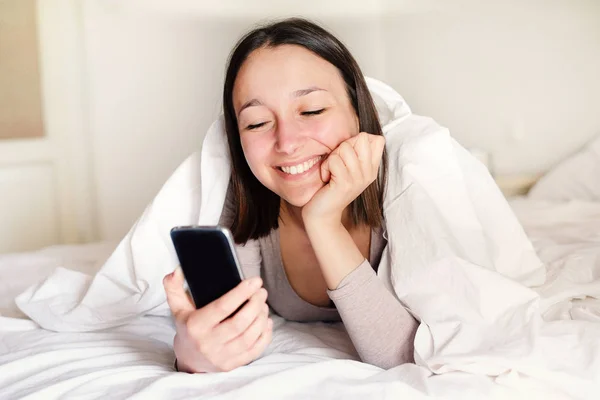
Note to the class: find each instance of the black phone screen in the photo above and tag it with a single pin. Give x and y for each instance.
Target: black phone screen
(208, 261)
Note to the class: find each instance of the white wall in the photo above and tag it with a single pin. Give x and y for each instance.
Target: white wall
(518, 78)
(155, 77)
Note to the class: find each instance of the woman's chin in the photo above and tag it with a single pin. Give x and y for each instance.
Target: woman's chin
(296, 201)
(300, 199)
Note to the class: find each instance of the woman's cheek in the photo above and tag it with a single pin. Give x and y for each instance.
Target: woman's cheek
(256, 154)
(331, 132)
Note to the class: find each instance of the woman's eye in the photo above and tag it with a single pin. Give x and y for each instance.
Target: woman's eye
(315, 112)
(250, 127)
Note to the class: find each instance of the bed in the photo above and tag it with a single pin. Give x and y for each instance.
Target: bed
(561, 215)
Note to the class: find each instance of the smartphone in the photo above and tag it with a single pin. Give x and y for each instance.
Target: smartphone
(208, 259)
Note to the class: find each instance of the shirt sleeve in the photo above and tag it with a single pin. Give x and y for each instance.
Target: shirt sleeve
(380, 328)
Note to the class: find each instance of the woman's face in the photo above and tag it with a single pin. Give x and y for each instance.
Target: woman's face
(292, 110)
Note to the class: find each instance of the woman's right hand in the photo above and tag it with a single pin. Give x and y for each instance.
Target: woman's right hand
(206, 341)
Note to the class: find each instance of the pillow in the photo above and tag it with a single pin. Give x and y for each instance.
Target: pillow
(576, 178)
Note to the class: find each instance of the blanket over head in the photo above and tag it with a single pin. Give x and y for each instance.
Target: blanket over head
(456, 257)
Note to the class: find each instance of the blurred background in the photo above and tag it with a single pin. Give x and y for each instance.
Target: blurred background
(100, 100)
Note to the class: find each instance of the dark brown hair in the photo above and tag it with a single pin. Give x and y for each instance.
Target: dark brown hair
(256, 207)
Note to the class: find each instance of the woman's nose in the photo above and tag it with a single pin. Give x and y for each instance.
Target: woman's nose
(288, 137)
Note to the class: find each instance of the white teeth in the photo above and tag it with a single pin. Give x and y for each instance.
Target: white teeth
(300, 168)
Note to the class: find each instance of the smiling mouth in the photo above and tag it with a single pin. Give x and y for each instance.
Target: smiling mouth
(300, 168)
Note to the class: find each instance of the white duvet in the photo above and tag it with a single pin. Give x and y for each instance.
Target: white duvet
(457, 258)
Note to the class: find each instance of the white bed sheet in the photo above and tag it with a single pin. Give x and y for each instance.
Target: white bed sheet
(20, 270)
(304, 360)
(566, 236)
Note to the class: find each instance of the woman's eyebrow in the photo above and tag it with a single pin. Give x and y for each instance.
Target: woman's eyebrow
(304, 92)
(251, 103)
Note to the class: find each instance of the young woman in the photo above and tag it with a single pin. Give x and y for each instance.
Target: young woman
(304, 205)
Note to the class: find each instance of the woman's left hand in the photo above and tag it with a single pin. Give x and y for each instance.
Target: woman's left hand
(347, 172)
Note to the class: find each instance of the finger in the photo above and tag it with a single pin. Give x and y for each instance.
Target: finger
(246, 340)
(236, 325)
(351, 161)
(225, 305)
(377, 147)
(372, 137)
(338, 169)
(179, 301)
(257, 349)
(325, 172)
(363, 152)
(353, 139)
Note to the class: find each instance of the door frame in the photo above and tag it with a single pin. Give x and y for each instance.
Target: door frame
(66, 144)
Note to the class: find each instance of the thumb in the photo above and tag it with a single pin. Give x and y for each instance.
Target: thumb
(180, 302)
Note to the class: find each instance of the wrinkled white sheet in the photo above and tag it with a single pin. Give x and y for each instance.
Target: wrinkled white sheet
(567, 237)
(304, 360)
(18, 271)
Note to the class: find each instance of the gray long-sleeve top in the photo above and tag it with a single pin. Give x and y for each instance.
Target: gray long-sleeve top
(380, 328)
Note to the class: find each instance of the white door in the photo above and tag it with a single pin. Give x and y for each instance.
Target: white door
(45, 183)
